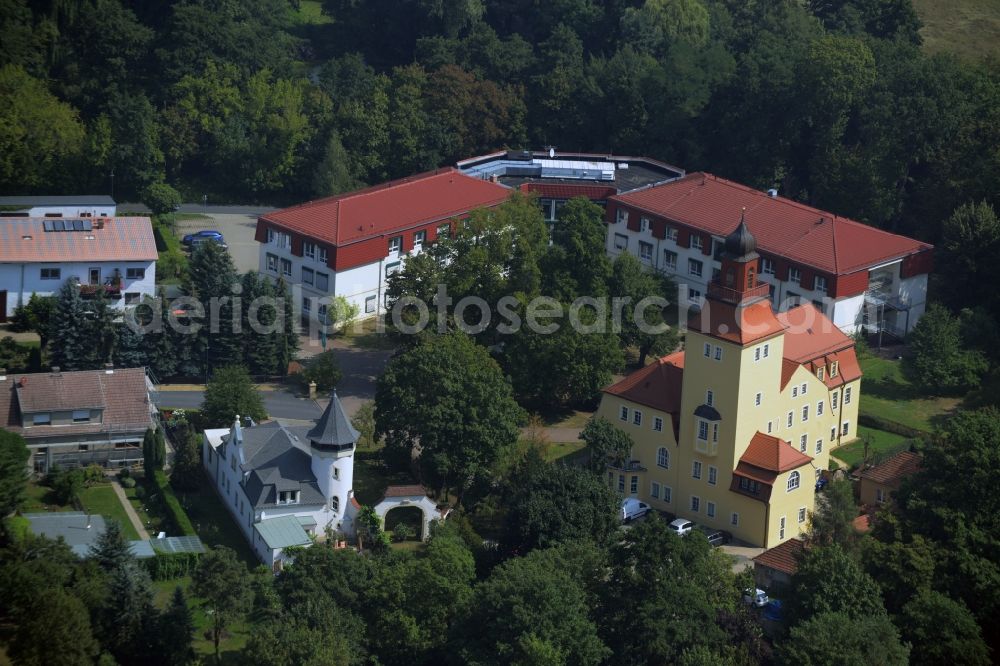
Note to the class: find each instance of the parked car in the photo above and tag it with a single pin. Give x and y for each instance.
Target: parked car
(203, 235)
(632, 509)
(756, 597)
(680, 527)
(715, 537)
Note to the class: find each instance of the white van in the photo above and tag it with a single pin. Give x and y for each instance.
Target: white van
(633, 508)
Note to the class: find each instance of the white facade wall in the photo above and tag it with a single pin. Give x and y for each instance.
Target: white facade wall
(363, 286)
(21, 280)
(71, 211)
(846, 312)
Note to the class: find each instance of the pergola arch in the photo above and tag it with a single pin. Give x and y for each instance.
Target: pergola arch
(400, 496)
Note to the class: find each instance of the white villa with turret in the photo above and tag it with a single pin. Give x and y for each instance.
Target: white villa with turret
(285, 484)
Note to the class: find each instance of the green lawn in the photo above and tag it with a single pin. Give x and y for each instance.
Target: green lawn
(563, 451)
(887, 394)
(969, 29)
(879, 441)
(102, 500)
(568, 419)
(213, 522)
(234, 640)
(151, 513)
(99, 500)
(363, 334)
(310, 12)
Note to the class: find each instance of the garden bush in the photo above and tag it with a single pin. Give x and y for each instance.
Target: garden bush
(129, 482)
(402, 532)
(178, 517)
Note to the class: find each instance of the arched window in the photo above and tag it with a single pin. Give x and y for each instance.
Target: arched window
(751, 276)
(663, 457)
(793, 481)
(335, 503)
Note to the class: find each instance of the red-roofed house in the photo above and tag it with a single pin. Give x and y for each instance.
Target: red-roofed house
(38, 255)
(849, 270)
(72, 419)
(774, 568)
(879, 482)
(346, 245)
(755, 403)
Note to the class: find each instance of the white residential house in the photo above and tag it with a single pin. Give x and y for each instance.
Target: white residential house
(74, 206)
(285, 485)
(38, 255)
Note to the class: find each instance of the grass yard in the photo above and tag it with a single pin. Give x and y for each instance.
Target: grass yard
(887, 394)
(879, 441)
(213, 522)
(310, 12)
(969, 29)
(363, 334)
(233, 641)
(101, 499)
(563, 451)
(151, 513)
(574, 418)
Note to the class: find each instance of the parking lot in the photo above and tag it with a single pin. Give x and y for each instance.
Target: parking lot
(238, 230)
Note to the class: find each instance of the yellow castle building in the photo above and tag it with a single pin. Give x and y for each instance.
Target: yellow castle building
(734, 431)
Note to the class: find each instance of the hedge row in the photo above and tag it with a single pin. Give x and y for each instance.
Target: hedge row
(879, 423)
(165, 566)
(178, 516)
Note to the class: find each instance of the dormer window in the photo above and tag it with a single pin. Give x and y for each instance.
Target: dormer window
(81, 416)
(288, 497)
(336, 473)
(820, 373)
(834, 368)
(41, 419)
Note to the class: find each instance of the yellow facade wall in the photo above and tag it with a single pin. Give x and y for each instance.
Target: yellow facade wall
(745, 386)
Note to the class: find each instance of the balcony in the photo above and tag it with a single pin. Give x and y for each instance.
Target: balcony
(718, 291)
(112, 288)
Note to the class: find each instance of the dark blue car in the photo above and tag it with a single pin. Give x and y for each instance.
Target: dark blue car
(204, 235)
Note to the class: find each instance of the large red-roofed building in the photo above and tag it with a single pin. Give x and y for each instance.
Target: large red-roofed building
(347, 245)
(856, 274)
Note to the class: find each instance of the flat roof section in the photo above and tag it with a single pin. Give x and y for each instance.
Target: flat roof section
(624, 172)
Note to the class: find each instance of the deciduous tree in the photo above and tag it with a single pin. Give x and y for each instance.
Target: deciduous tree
(221, 581)
(231, 393)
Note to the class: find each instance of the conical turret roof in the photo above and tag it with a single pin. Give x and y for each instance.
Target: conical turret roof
(333, 430)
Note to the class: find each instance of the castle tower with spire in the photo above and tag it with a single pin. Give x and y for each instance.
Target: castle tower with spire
(332, 442)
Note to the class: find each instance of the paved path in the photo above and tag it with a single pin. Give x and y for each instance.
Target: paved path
(279, 404)
(129, 511)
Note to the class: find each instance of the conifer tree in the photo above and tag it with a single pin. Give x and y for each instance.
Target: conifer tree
(70, 343)
(211, 279)
(176, 630)
(111, 550)
(260, 343)
(149, 453)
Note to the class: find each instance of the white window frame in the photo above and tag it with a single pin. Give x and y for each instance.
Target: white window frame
(50, 273)
(803, 443)
(135, 273)
(820, 284)
(695, 504)
(696, 242)
(710, 509)
(703, 430)
(795, 391)
(622, 216)
(663, 457)
(419, 238)
(308, 276)
(757, 399)
(644, 224)
(694, 295)
(845, 428)
(718, 353)
(636, 417)
(805, 413)
(286, 267)
(847, 395)
(623, 413)
(834, 398)
(81, 416)
(696, 469)
(767, 349)
(671, 233)
(802, 515)
(781, 528)
(819, 446)
(708, 350)
(734, 519)
(654, 490)
(794, 275)
(794, 481)
(621, 242)
(819, 408)
(696, 267)
(668, 494)
(791, 419)
(767, 266)
(657, 424)
(309, 250)
(713, 475)
(669, 259)
(395, 245)
(709, 397)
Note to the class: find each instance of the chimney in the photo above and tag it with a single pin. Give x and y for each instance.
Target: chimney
(55, 369)
(109, 368)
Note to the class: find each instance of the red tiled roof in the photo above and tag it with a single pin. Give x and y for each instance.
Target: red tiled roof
(24, 240)
(773, 454)
(755, 473)
(863, 523)
(740, 324)
(784, 557)
(782, 227)
(122, 395)
(392, 206)
(897, 467)
(405, 491)
(810, 334)
(658, 385)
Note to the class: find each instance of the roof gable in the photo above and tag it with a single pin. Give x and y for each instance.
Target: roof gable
(742, 324)
(783, 227)
(773, 454)
(784, 557)
(658, 385)
(894, 469)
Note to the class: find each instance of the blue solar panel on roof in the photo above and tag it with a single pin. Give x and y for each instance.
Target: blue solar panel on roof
(48, 225)
(77, 225)
(57, 225)
(88, 225)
